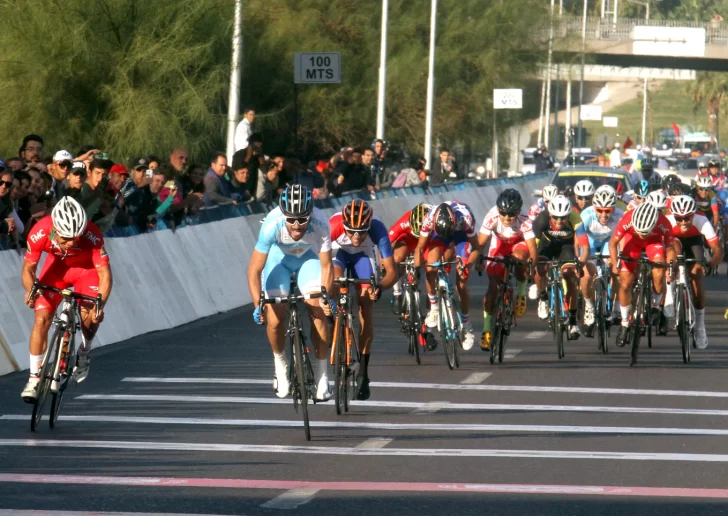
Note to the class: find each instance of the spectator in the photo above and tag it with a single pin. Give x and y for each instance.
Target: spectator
(76, 178)
(309, 176)
(244, 129)
(193, 180)
(411, 176)
(615, 157)
(93, 189)
(132, 190)
(266, 191)
(14, 164)
(58, 170)
(153, 162)
(31, 151)
(153, 207)
(282, 176)
(35, 190)
(447, 165)
(118, 174)
(367, 160)
(238, 190)
(543, 160)
(380, 154)
(255, 157)
(351, 175)
(178, 159)
(21, 196)
(217, 188)
(9, 220)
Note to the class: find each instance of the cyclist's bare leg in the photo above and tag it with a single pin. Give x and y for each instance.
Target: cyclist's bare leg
(434, 255)
(587, 280)
(626, 278)
(572, 291)
(658, 277)
(39, 333)
(541, 277)
(697, 273)
(319, 328)
(88, 327)
(366, 328)
(275, 328)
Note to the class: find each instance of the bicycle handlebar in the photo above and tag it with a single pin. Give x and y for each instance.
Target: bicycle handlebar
(38, 286)
(292, 299)
(659, 265)
(507, 260)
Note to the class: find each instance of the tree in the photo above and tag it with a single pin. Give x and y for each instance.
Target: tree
(710, 88)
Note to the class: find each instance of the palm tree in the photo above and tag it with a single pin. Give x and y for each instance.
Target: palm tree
(711, 88)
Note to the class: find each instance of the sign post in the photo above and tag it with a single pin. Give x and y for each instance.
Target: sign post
(503, 99)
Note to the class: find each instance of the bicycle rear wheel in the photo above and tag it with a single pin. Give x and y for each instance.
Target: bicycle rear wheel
(636, 324)
(559, 323)
(506, 319)
(46, 376)
(495, 341)
(65, 373)
(413, 321)
(447, 332)
(301, 383)
(340, 364)
(601, 316)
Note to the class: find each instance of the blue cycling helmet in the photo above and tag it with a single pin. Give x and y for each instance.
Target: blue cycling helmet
(642, 189)
(296, 201)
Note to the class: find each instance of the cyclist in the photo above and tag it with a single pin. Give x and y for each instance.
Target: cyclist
(355, 232)
(583, 194)
(658, 199)
(641, 191)
(690, 228)
(706, 200)
(295, 237)
(76, 258)
(599, 222)
(703, 167)
(716, 175)
(648, 230)
(403, 236)
(511, 234)
(448, 230)
(560, 232)
(548, 193)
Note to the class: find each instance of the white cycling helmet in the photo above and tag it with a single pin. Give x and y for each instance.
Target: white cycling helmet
(644, 218)
(69, 218)
(549, 192)
(683, 205)
(584, 188)
(605, 197)
(559, 206)
(704, 182)
(658, 199)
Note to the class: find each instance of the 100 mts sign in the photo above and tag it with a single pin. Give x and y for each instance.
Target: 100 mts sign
(317, 68)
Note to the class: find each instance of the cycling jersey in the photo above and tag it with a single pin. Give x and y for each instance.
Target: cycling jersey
(706, 204)
(377, 236)
(401, 232)
(548, 235)
(701, 228)
(720, 181)
(598, 233)
(654, 244)
(465, 221)
(521, 229)
(274, 233)
(88, 252)
(537, 207)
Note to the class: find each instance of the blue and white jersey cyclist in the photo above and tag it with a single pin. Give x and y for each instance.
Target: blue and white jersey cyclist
(294, 237)
(599, 222)
(355, 233)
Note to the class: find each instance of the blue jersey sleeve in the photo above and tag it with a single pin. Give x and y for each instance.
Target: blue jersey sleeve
(268, 234)
(380, 236)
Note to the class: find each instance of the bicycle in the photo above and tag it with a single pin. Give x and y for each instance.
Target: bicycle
(300, 372)
(60, 354)
(503, 312)
(411, 319)
(450, 323)
(684, 307)
(558, 316)
(641, 317)
(345, 355)
(603, 303)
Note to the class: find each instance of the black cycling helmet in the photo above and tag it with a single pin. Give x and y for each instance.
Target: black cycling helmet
(444, 221)
(679, 189)
(713, 163)
(655, 182)
(296, 201)
(668, 181)
(509, 201)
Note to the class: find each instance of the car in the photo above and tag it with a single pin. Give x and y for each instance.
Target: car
(567, 177)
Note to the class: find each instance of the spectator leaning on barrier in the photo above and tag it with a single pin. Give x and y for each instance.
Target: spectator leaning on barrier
(367, 160)
(309, 176)
(217, 188)
(255, 157)
(14, 164)
(93, 189)
(378, 165)
(76, 178)
(351, 175)
(153, 207)
(8, 216)
(447, 165)
(194, 179)
(238, 189)
(266, 191)
(58, 170)
(244, 129)
(543, 160)
(410, 176)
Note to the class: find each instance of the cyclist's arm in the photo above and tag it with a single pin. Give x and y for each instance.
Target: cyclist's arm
(581, 242)
(420, 250)
(106, 282)
(717, 252)
(327, 270)
(476, 249)
(255, 269)
(390, 273)
(27, 276)
(614, 249)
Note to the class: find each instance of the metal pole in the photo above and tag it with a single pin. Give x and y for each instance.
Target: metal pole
(235, 75)
(561, 7)
(295, 115)
(644, 114)
(539, 139)
(382, 98)
(494, 160)
(430, 88)
(555, 142)
(616, 11)
(581, 82)
(567, 127)
(548, 77)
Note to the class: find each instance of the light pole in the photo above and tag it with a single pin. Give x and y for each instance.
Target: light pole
(644, 92)
(581, 82)
(547, 117)
(382, 97)
(235, 74)
(430, 88)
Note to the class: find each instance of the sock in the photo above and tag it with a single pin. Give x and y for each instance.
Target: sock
(35, 361)
(321, 368)
(657, 299)
(521, 288)
(543, 296)
(465, 318)
(486, 321)
(700, 318)
(280, 362)
(669, 300)
(589, 303)
(364, 366)
(85, 346)
(572, 317)
(433, 300)
(624, 310)
(397, 287)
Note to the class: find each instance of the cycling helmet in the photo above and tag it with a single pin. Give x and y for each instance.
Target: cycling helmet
(605, 197)
(704, 182)
(642, 188)
(296, 201)
(357, 215)
(658, 199)
(647, 165)
(669, 180)
(549, 192)
(683, 205)
(702, 163)
(416, 216)
(444, 221)
(69, 218)
(644, 218)
(714, 163)
(509, 201)
(679, 189)
(584, 188)
(559, 206)
(655, 182)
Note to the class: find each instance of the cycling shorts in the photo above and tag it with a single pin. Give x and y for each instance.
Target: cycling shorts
(633, 249)
(561, 252)
(693, 247)
(597, 248)
(57, 274)
(409, 241)
(500, 249)
(459, 239)
(362, 265)
(278, 268)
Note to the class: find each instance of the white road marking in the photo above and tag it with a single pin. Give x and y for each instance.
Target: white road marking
(373, 443)
(476, 378)
(17, 512)
(427, 408)
(413, 405)
(536, 335)
(511, 353)
(381, 452)
(292, 499)
(460, 386)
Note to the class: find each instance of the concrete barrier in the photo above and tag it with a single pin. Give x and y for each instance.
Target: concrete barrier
(165, 279)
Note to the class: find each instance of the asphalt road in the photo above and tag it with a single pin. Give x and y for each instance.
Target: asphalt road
(185, 421)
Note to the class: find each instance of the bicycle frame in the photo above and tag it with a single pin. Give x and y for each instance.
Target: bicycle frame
(411, 317)
(450, 322)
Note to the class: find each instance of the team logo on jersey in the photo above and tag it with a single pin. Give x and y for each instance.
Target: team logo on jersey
(37, 236)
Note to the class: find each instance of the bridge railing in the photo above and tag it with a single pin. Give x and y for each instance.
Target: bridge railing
(716, 33)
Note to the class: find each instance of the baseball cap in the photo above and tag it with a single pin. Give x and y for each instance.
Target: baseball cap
(119, 169)
(140, 163)
(62, 155)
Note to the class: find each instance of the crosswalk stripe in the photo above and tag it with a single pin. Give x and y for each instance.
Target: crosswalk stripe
(292, 499)
(459, 387)
(475, 378)
(413, 405)
(382, 452)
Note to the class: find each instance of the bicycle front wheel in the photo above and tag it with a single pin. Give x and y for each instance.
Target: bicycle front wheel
(559, 323)
(447, 333)
(505, 319)
(301, 383)
(46, 376)
(636, 324)
(683, 328)
(600, 309)
(495, 341)
(340, 364)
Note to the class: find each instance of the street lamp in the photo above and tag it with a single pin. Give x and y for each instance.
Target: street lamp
(646, 5)
(382, 97)
(430, 87)
(235, 74)
(581, 82)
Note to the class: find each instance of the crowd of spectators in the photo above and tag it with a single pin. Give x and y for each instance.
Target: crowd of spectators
(150, 192)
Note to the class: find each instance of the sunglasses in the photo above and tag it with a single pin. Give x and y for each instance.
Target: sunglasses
(701, 189)
(9, 184)
(297, 220)
(604, 210)
(355, 231)
(580, 198)
(509, 214)
(554, 217)
(684, 218)
(65, 164)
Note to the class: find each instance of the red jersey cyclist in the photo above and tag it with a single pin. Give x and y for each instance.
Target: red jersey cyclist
(76, 258)
(403, 235)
